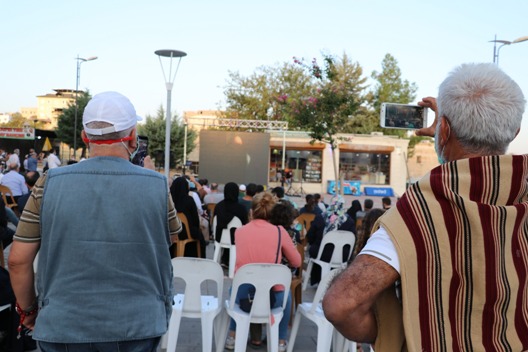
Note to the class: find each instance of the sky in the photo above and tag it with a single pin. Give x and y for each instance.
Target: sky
(41, 39)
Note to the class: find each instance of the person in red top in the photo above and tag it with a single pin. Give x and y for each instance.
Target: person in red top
(257, 242)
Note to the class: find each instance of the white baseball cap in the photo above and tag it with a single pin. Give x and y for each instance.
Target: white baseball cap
(110, 107)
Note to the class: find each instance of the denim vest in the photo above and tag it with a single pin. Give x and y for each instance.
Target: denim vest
(104, 271)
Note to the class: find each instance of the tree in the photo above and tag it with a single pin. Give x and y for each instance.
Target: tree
(258, 97)
(337, 95)
(66, 123)
(391, 88)
(154, 128)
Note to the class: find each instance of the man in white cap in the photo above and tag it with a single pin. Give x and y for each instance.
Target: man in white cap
(105, 274)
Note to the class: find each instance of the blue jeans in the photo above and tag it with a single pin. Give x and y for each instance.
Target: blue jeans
(147, 345)
(279, 296)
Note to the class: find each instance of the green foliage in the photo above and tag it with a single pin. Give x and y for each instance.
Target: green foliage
(336, 95)
(257, 97)
(66, 122)
(154, 128)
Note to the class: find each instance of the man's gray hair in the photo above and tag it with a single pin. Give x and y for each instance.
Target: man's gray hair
(108, 136)
(484, 107)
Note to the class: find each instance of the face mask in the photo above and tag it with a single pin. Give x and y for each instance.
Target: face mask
(133, 154)
(439, 152)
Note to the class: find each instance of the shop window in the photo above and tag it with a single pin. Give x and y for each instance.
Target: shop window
(369, 168)
(300, 165)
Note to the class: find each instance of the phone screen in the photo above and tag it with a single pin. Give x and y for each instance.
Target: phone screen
(142, 151)
(403, 116)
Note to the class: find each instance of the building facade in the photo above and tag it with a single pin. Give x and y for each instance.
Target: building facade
(366, 161)
(50, 106)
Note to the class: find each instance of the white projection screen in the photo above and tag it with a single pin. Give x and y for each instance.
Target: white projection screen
(240, 157)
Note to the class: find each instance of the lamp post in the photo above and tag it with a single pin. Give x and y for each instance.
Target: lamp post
(169, 80)
(80, 60)
(503, 43)
(184, 146)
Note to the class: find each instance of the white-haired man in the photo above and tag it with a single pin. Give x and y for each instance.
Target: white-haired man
(457, 240)
(105, 274)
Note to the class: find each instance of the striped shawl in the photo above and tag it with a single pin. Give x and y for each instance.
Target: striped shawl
(461, 234)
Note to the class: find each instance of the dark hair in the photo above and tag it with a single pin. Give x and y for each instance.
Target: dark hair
(278, 191)
(31, 177)
(369, 203)
(260, 188)
(283, 214)
(370, 219)
(317, 196)
(354, 208)
(251, 189)
(310, 202)
(231, 192)
(386, 201)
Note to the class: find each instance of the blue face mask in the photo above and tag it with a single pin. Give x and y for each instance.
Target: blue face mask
(439, 153)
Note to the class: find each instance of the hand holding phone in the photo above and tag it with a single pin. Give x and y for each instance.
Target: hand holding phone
(142, 151)
(403, 116)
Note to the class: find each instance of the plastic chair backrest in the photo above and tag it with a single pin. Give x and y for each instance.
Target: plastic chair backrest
(263, 277)
(340, 239)
(195, 271)
(226, 233)
(322, 287)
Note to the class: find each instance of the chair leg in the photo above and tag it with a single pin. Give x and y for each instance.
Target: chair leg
(174, 328)
(232, 261)
(223, 330)
(306, 275)
(242, 332)
(217, 252)
(273, 336)
(207, 332)
(294, 330)
(324, 337)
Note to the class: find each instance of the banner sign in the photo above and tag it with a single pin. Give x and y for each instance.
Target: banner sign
(349, 187)
(17, 133)
(379, 191)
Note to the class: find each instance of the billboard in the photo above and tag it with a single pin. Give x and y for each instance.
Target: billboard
(240, 157)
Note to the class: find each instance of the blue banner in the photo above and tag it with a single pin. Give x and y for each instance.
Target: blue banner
(349, 187)
(379, 191)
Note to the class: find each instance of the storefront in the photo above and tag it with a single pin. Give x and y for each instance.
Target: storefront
(363, 161)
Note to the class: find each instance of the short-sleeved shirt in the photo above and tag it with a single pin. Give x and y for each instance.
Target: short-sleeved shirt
(380, 245)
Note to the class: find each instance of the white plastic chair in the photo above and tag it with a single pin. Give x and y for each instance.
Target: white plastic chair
(225, 243)
(314, 312)
(339, 239)
(191, 304)
(263, 277)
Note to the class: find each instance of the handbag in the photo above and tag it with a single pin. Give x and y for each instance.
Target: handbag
(246, 303)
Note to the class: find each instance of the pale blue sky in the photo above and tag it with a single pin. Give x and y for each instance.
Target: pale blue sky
(40, 39)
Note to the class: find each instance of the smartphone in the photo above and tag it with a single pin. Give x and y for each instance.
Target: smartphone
(403, 116)
(142, 151)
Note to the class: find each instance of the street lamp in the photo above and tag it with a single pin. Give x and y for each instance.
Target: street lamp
(80, 60)
(184, 145)
(169, 80)
(503, 43)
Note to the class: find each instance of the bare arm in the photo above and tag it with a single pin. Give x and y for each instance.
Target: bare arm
(348, 303)
(22, 276)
